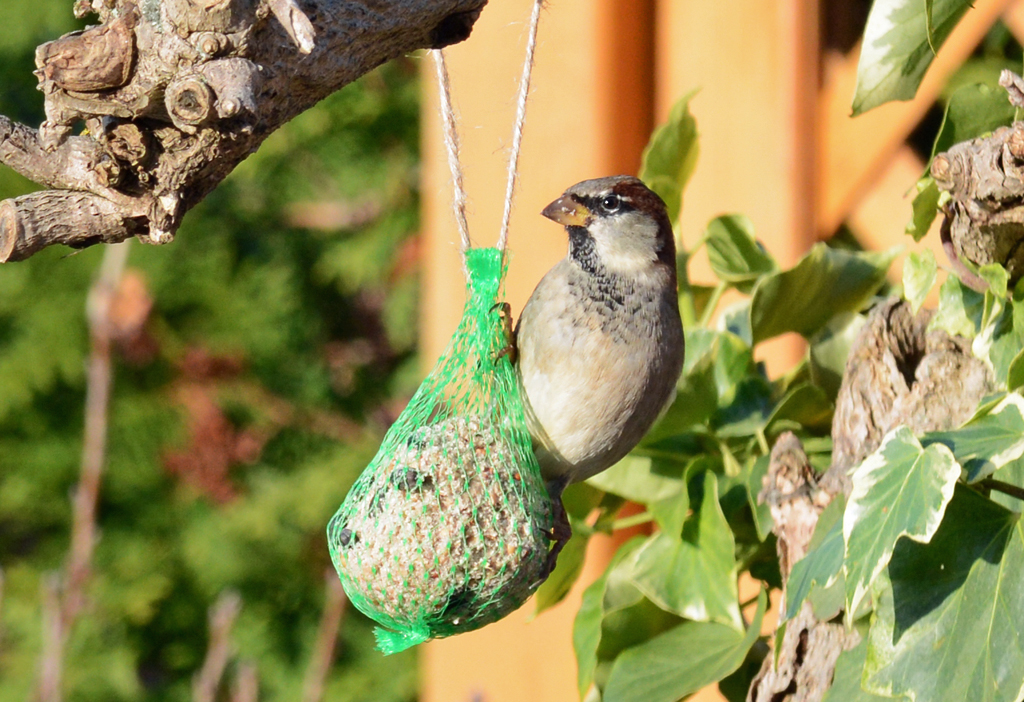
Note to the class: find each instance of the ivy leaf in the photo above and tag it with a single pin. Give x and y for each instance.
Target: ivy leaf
(1006, 332)
(761, 511)
(998, 280)
(735, 319)
(898, 48)
(899, 490)
(973, 111)
(948, 627)
(693, 576)
(919, 273)
(1015, 374)
(586, 628)
(805, 405)
(1013, 474)
(960, 309)
(733, 360)
(823, 284)
(849, 669)
(716, 362)
(681, 661)
(925, 207)
(736, 256)
(824, 559)
(696, 401)
(829, 349)
(634, 478)
(988, 442)
(671, 155)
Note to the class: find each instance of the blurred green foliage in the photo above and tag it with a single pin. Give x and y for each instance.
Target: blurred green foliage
(247, 398)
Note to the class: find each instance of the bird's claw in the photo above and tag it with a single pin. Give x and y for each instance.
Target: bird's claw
(505, 315)
(561, 532)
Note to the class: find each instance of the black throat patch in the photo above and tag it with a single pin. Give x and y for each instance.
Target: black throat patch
(583, 251)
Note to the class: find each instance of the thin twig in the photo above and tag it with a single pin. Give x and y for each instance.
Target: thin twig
(517, 129)
(1005, 488)
(51, 658)
(61, 609)
(97, 401)
(326, 638)
(222, 619)
(965, 274)
(247, 683)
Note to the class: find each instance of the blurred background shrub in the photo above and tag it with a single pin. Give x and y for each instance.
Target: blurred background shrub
(258, 360)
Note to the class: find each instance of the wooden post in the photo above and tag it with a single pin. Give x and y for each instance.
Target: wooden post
(756, 115)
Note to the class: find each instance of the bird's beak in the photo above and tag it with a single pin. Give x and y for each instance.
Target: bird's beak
(568, 212)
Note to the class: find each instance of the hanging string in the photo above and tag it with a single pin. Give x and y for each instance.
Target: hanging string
(517, 130)
(451, 143)
(451, 137)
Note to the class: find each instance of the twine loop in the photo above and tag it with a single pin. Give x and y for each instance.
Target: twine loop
(451, 139)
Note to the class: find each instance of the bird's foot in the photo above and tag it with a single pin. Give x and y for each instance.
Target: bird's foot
(561, 532)
(510, 350)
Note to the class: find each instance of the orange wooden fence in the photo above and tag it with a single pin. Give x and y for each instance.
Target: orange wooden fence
(776, 143)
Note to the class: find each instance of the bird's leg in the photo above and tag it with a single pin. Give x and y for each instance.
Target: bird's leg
(510, 350)
(561, 529)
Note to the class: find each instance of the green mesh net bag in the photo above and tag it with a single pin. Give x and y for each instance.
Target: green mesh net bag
(447, 529)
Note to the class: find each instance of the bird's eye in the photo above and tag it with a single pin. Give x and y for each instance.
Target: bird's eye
(610, 203)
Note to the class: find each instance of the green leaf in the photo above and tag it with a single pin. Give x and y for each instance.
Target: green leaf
(829, 349)
(849, 669)
(748, 412)
(897, 48)
(693, 576)
(670, 513)
(586, 628)
(671, 155)
(824, 559)
(973, 111)
(960, 309)
(986, 443)
(1002, 338)
(634, 478)
(761, 512)
(998, 280)
(925, 207)
(828, 602)
(948, 627)
(1015, 374)
(805, 405)
(695, 403)
(899, 490)
(566, 573)
(1013, 474)
(681, 661)
(580, 499)
(736, 256)
(735, 319)
(823, 284)
(919, 271)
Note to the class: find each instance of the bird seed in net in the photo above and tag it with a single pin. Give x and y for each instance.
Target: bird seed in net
(447, 529)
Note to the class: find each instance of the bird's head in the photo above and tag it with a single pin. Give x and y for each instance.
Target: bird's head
(616, 225)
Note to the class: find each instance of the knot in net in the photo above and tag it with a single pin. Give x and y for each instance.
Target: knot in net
(446, 530)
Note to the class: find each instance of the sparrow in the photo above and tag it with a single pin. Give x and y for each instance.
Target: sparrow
(599, 344)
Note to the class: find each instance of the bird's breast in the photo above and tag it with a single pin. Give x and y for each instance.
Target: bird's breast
(598, 361)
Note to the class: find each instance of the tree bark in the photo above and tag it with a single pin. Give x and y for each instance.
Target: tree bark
(898, 373)
(175, 93)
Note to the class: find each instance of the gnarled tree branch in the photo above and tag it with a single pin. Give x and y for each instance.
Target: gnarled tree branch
(175, 94)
